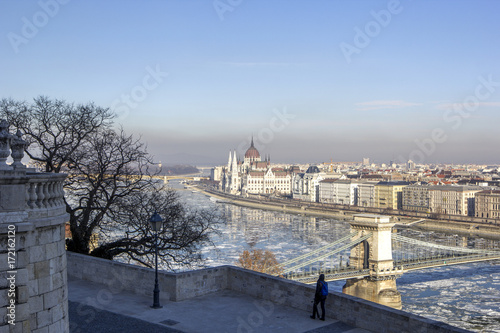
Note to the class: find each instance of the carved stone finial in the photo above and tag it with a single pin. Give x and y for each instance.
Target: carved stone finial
(5, 139)
(17, 146)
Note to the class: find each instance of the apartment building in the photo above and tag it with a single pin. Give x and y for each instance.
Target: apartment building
(416, 198)
(389, 195)
(454, 200)
(487, 204)
(366, 194)
(305, 186)
(338, 191)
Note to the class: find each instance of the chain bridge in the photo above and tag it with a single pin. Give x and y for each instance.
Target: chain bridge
(374, 253)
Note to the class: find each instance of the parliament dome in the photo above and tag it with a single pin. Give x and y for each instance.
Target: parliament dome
(252, 152)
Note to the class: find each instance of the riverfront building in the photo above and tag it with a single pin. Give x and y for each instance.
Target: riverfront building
(454, 200)
(441, 199)
(487, 204)
(389, 195)
(416, 198)
(254, 176)
(366, 194)
(305, 186)
(338, 191)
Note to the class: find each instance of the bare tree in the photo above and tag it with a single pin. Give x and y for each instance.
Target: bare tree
(180, 239)
(110, 188)
(55, 129)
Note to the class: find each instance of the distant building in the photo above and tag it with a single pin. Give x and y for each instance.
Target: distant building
(389, 195)
(453, 199)
(254, 176)
(216, 173)
(305, 186)
(338, 191)
(416, 198)
(366, 194)
(487, 204)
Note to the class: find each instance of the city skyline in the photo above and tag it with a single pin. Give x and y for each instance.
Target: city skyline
(388, 80)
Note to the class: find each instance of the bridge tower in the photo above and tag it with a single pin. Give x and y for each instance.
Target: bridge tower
(375, 254)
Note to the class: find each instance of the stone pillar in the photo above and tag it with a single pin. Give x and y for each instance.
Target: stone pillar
(33, 282)
(374, 254)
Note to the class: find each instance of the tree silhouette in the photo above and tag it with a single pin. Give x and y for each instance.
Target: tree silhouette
(110, 190)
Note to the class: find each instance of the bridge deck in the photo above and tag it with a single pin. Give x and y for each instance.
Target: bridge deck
(402, 266)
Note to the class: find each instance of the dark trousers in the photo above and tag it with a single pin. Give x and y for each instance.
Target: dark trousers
(315, 306)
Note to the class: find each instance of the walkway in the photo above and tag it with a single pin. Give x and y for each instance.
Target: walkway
(94, 308)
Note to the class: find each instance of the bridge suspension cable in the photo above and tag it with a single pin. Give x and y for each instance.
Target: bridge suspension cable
(437, 246)
(310, 261)
(308, 254)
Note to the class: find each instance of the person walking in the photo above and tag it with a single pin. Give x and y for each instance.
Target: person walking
(320, 296)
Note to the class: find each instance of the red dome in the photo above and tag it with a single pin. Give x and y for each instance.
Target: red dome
(252, 152)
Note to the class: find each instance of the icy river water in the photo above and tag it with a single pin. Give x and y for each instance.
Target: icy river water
(466, 296)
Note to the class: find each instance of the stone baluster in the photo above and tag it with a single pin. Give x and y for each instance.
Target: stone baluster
(5, 139)
(57, 194)
(17, 146)
(32, 201)
(50, 194)
(56, 201)
(40, 195)
(46, 194)
(60, 194)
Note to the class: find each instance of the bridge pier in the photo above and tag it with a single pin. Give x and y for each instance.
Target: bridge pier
(375, 254)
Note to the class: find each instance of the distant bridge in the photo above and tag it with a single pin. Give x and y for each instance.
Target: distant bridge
(372, 250)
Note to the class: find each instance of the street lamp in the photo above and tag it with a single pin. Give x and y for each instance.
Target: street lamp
(156, 222)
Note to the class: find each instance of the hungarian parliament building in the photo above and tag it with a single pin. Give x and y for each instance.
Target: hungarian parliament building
(254, 176)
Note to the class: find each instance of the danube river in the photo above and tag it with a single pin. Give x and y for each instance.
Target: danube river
(467, 296)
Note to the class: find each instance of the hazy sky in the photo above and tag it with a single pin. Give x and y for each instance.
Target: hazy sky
(312, 80)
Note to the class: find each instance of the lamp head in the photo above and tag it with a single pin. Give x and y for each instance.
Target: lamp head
(155, 221)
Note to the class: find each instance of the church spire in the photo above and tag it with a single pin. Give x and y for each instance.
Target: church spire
(229, 162)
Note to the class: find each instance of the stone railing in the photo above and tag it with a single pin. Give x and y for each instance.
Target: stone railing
(45, 190)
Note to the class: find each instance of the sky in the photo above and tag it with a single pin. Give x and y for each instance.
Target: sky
(311, 80)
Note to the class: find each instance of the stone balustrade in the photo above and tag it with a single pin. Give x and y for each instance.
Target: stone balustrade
(45, 190)
(32, 239)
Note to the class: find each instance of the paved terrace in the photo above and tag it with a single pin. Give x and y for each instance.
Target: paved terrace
(92, 308)
(108, 296)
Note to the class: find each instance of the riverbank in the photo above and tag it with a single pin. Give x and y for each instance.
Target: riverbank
(487, 230)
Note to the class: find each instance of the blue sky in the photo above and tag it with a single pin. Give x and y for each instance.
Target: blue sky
(311, 80)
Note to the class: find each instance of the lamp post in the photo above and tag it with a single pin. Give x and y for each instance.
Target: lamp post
(156, 222)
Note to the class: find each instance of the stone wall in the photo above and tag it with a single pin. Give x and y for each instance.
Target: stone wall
(268, 289)
(33, 281)
(39, 272)
(119, 276)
